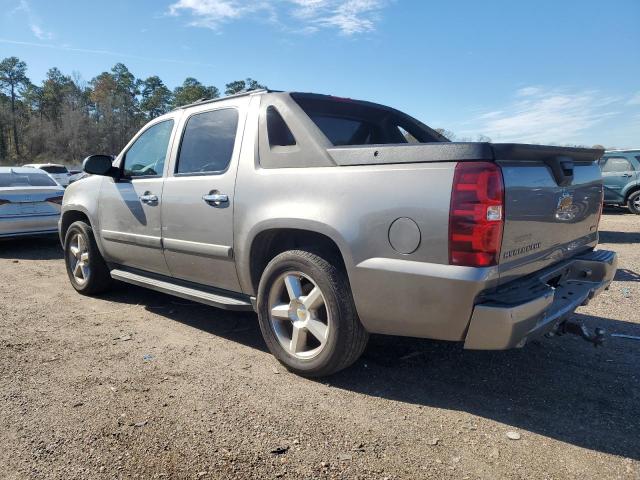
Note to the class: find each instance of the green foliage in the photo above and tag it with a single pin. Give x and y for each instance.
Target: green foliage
(238, 86)
(191, 91)
(65, 119)
(156, 97)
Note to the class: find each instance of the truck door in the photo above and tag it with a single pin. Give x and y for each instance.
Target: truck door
(129, 209)
(198, 195)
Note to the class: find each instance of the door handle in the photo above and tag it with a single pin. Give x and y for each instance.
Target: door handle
(215, 199)
(149, 198)
(627, 175)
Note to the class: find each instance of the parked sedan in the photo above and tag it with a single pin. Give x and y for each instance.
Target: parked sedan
(60, 173)
(30, 202)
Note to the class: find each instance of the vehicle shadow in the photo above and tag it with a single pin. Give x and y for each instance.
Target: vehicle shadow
(614, 210)
(31, 248)
(626, 275)
(562, 388)
(239, 327)
(607, 236)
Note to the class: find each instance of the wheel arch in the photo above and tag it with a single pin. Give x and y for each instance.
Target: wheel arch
(631, 189)
(75, 214)
(271, 241)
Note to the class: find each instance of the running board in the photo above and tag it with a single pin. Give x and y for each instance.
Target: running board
(219, 300)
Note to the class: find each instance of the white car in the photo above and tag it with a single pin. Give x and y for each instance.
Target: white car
(58, 172)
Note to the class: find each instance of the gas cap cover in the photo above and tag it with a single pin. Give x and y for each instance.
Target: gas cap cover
(404, 235)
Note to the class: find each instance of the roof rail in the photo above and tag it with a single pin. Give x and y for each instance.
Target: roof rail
(244, 93)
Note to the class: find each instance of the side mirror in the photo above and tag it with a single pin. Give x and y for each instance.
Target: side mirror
(99, 165)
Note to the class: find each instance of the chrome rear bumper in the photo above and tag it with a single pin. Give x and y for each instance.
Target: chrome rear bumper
(528, 308)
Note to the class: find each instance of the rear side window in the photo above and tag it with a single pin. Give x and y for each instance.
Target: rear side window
(616, 164)
(350, 122)
(54, 169)
(207, 142)
(26, 180)
(277, 130)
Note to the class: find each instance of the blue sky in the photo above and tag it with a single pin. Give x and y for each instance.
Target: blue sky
(559, 71)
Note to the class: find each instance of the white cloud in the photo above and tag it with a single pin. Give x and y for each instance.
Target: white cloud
(40, 33)
(528, 91)
(33, 21)
(547, 115)
(349, 17)
(635, 99)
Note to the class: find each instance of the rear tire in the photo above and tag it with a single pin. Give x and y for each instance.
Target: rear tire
(633, 202)
(87, 270)
(307, 315)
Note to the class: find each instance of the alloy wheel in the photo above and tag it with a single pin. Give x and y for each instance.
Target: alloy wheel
(79, 258)
(298, 315)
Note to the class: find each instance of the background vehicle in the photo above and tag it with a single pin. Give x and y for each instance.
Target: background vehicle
(621, 178)
(335, 218)
(58, 172)
(29, 202)
(77, 176)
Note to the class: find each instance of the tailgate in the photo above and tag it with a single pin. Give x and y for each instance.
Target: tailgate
(553, 198)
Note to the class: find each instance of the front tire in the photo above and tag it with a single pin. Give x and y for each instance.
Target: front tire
(633, 202)
(307, 315)
(86, 268)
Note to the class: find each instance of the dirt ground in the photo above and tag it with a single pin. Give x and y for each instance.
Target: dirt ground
(138, 384)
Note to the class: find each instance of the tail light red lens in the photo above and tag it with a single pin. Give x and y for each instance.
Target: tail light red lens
(56, 199)
(476, 216)
(601, 207)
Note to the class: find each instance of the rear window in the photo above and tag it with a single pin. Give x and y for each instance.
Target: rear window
(54, 169)
(26, 180)
(349, 122)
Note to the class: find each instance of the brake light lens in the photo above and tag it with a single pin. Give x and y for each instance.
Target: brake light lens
(57, 199)
(476, 216)
(601, 207)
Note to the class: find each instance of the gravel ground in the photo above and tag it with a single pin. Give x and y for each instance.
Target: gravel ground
(137, 384)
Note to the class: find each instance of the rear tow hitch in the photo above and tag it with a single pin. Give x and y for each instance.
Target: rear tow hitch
(578, 328)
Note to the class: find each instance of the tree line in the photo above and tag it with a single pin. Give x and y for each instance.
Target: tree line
(66, 118)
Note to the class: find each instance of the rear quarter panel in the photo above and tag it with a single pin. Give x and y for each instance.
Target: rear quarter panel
(415, 294)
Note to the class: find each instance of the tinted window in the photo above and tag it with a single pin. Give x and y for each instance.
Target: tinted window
(26, 180)
(277, 130)
(616, 164)
(54, 169)
(350, 122)
(207, 143)
(146, 156)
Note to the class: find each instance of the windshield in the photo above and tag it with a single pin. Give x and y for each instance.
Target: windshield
(13, 179)
(54, 169)
(350, 122)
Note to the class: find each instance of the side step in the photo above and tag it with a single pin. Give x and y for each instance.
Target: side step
(220, 299)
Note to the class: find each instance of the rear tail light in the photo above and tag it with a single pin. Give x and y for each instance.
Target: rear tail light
(476, 216)
(57, 199)
(601, 207)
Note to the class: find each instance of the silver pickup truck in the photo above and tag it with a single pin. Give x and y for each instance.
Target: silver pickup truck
(334, 218)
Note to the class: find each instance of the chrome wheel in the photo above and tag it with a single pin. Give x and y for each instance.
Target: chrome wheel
(636, 202)
(298, 315)
(79, 258)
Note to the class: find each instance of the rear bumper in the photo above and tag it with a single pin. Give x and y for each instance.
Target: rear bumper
(528, 308)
